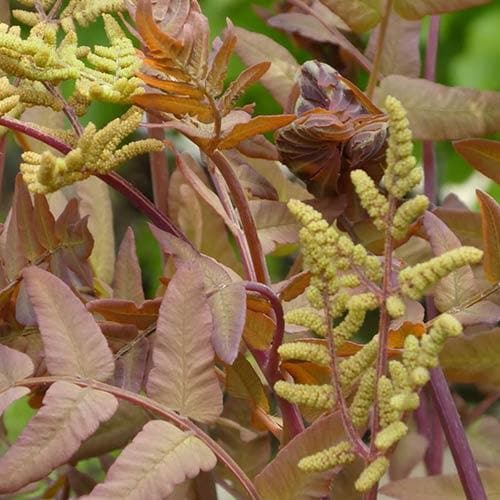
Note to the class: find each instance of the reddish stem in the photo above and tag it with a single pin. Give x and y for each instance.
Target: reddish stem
(138, 200)
(291, 416)
(247, 221)
(150, 405)
(445, 406)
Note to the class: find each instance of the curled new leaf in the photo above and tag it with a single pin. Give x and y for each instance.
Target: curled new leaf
(337, 129)
(158, 458)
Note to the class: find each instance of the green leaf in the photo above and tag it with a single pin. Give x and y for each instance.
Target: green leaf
(482, 154)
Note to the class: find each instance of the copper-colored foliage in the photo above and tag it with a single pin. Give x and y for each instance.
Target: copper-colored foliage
(338, 129)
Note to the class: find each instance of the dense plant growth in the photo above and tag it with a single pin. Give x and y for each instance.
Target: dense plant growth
(322, 384)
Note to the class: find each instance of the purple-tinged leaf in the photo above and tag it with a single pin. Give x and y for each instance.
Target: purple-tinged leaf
(253, 48)
(79, 482)
(465, 223)
(183, 375)
(10, 395)
(409, 452)
(96, 203)
(275, 224)
(473, 358)
(160, 457)
(23, 208)
(254, 183)
(114, 434)
(226, 296)
(77, 242)
(490, 225)
(187, 166)
(401, 54)
(417, 9)
(482, 154)
(14, 366)
(73, 343)
(45, 224)
(359, 15)
(302, 24)
(131, 368)
(444, 486)
(484, 439)
(12, 254)
(128, 278)
(25, 314)
(460, 285)
(70, 414)
(284, 480)
(437, 112)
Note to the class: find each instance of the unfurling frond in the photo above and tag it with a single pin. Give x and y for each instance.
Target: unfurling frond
(97, 152)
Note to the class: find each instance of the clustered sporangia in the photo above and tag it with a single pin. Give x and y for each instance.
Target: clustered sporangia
(105, 73)
(345, 285)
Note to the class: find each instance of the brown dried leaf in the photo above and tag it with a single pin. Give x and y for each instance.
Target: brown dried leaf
(490, 224)
(255, 48)
(160, 457)
(417, 9)
(437, 112)
(482, 154)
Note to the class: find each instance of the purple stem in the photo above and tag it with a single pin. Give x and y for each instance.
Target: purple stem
(290, 413)
(138, 200)
(455, 435)
(441, 394)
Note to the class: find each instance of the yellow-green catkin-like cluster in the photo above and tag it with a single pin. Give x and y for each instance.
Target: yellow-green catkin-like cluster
(402, 173)
(39, 57)
(340, 454)
(97, 152)
(314, 396)
(372, 200)
(372, 474)
(112, 77)
(363, 398)
(415, 280)
(305, 351)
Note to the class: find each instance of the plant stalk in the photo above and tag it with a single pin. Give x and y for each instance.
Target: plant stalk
(372, 80)
(247, 221)
(157, 408)
(441, 394)
(136, 198)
